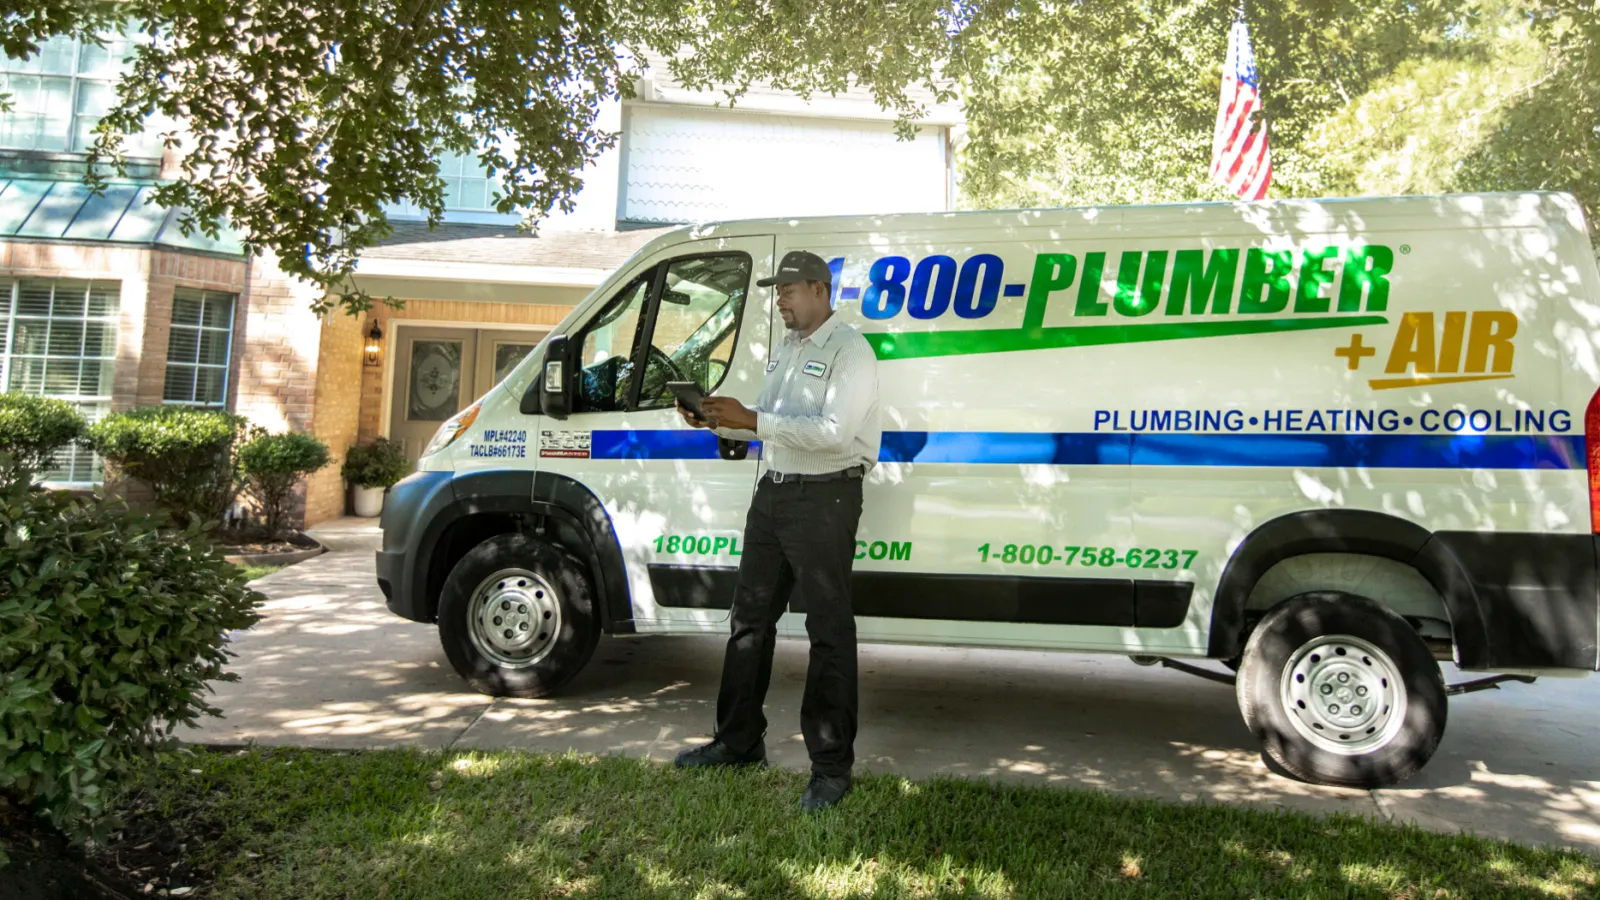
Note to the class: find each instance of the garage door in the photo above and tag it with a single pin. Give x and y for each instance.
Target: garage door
(692, 165)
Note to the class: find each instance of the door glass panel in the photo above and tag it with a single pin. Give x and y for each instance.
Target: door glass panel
(608, 344)
(696, 323)
(507, 356)
(434, 383)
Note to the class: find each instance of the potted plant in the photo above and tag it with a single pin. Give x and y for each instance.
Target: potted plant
(371, 469)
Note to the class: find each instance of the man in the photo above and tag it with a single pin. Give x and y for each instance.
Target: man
(817, 418)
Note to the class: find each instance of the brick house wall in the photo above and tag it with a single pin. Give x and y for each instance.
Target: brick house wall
(338, 411)
(279, 346)
(280, 351)
(289, 369)
(278, 368)
(147, 280)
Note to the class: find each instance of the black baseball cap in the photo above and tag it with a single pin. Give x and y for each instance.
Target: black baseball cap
(799, 265)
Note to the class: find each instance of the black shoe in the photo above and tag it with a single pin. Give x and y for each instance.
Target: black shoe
(717, 753)
(824, 791)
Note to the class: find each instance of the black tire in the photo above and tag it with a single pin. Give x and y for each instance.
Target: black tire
(526, 573)
(1321, 634)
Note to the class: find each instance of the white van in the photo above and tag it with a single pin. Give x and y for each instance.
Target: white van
(1326, 443)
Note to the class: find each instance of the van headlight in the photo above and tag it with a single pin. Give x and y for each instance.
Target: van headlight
(452, 429)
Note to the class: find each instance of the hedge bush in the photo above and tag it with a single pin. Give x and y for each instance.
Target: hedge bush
(185, 455)
(378, 464)
(272, 465)
(32, 430)
(110, 630)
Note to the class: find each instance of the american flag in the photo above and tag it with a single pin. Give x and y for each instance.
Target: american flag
(1239, 157)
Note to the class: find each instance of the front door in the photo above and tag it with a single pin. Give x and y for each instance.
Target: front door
(439, 370)
(692, 313)
(499, 352)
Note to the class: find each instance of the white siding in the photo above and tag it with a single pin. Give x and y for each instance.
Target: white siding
(688, 165)
(854, 102)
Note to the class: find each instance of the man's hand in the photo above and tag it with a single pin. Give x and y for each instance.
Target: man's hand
(694, 420)
(729, 413)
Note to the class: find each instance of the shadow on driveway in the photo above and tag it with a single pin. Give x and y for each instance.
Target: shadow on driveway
(330, 666)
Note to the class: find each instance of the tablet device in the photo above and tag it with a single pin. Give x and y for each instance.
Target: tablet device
(689, 394)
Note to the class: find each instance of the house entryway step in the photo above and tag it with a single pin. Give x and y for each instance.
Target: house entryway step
(348, 533)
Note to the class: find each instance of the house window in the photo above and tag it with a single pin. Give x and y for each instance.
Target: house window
(198, 348)
(61, 93)
(469, 193)
(58, 338)
(467, 185)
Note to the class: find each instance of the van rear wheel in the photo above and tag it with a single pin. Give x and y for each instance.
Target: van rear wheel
(516, 617)
(1342, 691)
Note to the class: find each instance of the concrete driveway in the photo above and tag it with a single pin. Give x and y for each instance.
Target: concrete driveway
(329, 666)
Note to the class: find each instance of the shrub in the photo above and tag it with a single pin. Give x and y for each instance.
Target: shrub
(33, 429)
(185, 455)
(378, 464)
(272, 464)
(110, 629)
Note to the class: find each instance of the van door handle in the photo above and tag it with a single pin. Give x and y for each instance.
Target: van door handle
(732, 450)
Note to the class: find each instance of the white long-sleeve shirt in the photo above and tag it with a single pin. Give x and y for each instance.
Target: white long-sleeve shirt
(818, 411)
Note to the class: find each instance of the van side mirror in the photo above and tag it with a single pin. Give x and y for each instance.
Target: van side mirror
(557, 379)
(532, 399)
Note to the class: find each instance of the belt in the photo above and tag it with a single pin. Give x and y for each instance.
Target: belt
(782, 478)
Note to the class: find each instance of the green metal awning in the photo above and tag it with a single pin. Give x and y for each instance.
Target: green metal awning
(45, 209)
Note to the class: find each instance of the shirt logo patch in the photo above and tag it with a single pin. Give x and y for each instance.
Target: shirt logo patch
(818, 369)
(771, 366)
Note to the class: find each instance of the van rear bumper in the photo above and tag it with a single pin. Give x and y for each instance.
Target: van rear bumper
(1522, 601)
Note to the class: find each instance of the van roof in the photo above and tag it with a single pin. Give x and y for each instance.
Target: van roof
(1524, 208)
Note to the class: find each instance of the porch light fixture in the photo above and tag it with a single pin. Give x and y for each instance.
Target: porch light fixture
(374, 343)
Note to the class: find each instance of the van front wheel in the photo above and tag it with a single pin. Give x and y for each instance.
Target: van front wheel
(516, 617)
(1340, 690)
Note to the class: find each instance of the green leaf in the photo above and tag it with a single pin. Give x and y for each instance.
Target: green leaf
(72, 712)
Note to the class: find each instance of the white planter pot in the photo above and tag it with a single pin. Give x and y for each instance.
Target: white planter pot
(368, 501)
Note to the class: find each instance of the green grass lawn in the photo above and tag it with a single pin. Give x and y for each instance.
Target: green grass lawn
(251, 573)
(494, 826)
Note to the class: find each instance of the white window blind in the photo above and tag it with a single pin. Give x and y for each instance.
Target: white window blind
(198, 348)
(59, 339)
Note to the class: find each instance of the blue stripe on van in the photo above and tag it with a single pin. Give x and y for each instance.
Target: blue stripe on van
(1103, 449)
(1372, 451)
(665, 443)
(1378, 451)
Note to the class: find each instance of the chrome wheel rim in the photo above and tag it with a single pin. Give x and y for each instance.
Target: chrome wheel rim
(1344, 695)
(515, 617)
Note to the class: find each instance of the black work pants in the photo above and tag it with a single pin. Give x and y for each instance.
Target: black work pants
(798, 535)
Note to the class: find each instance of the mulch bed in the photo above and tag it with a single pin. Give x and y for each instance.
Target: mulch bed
(250, 547)
(146, 857)
(253, 541)
(254, 548)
